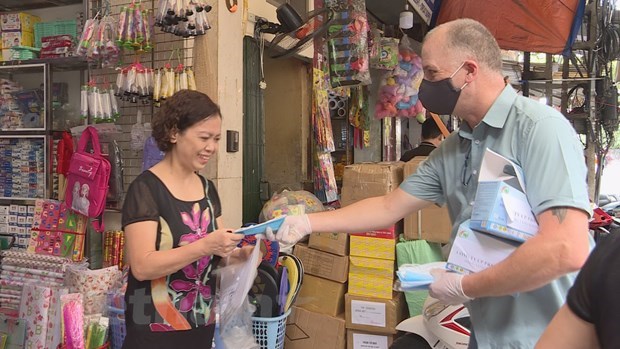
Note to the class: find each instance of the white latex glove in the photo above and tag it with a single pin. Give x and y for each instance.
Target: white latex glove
(447, 287)
(293, 229)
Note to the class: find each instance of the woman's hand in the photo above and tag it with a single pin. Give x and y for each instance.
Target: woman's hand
(242, 254)
(222, 242)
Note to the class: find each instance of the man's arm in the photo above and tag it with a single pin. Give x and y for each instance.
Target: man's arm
(568, 331)
(369, 214)
(560, 247)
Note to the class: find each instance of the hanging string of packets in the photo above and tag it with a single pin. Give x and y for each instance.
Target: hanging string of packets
(183, 17)
(135, 83)
(98, 103)
(98, 41)
(168, 81)
(135, 27)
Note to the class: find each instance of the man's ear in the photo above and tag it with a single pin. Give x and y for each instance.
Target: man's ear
(471, 67)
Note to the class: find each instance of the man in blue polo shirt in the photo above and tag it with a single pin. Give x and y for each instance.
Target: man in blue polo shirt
(512, 302)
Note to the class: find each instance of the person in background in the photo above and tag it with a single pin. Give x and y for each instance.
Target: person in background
(591, 315)
(512, 302)
(431, 138)
(173, 232)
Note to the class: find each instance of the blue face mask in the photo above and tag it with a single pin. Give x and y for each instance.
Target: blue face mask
(440, 97)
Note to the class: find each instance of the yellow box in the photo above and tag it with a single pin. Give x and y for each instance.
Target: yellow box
(363, 246)
(370, 286)
(18, 21)
(10, 39)
(371, 277)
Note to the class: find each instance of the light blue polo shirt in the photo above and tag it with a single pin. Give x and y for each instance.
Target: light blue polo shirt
(543, 143)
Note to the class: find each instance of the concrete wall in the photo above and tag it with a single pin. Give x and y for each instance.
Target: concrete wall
(218, 60)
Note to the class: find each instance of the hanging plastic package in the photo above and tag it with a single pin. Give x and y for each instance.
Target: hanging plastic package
(84, 102)
(157, 86)
(151, 154)
(348, 45)
(398, 91)
(191, 79)
(113, 105)
(116, 183)
(105, 103)
(138, 136)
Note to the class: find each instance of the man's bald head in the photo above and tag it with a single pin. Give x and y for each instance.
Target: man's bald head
(467, 39)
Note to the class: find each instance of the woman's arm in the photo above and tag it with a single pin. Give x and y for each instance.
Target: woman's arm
(147, 263)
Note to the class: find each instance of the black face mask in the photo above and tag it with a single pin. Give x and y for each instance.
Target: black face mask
(440, 97)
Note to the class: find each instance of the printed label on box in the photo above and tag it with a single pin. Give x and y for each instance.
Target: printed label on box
(369, 341)
(368, 313)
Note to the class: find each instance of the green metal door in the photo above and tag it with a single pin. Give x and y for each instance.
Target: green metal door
(253, 131)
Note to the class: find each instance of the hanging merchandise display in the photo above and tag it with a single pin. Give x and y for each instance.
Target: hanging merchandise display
(98, 103)
(98, 41)
(183, 17)
(134, 83)
(167, 81)
(359, 116)
(386, 55)
(135, 27)
(348, 44)
(398, 92)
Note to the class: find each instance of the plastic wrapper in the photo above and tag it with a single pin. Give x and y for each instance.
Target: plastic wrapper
(84, 102)
(113, 105)
(387, 57)
(348, 45)
(72, 320)
(157, 85)
(398, 91)
(191, 79)
(137, 133)
(84, 43)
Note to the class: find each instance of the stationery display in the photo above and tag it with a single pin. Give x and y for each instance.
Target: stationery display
(57, 230)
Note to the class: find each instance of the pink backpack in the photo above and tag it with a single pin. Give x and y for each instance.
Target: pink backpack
(88, 178)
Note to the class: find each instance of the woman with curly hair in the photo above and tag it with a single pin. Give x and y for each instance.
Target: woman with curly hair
(173, 231)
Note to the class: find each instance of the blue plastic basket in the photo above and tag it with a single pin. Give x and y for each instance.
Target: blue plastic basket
(269, 331)
(117, 326)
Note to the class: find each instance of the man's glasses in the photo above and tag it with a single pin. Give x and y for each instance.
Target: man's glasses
(465, 179)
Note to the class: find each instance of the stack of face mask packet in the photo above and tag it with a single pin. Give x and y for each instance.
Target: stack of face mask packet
(416, 276)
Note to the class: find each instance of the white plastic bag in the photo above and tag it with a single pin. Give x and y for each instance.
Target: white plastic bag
(234, 283)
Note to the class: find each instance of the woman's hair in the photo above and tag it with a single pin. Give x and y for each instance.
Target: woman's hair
(179, 112)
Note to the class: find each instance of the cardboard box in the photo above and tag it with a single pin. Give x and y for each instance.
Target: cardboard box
(336, 243)
(18, 21)
(321, 296)
(10, 39)
(366, 340)
(502, 210)
(371, 277)
(362, 246)
(323, 264)
(432, 223)
(374, 314)
(366, 180)
(474, 251)
(308, 330)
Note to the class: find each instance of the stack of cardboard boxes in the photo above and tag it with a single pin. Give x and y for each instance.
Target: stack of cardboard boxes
(317, 318)
(17, 30)
(373, 309)
(432, 223)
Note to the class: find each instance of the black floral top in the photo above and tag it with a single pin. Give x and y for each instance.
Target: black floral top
(182, 302)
